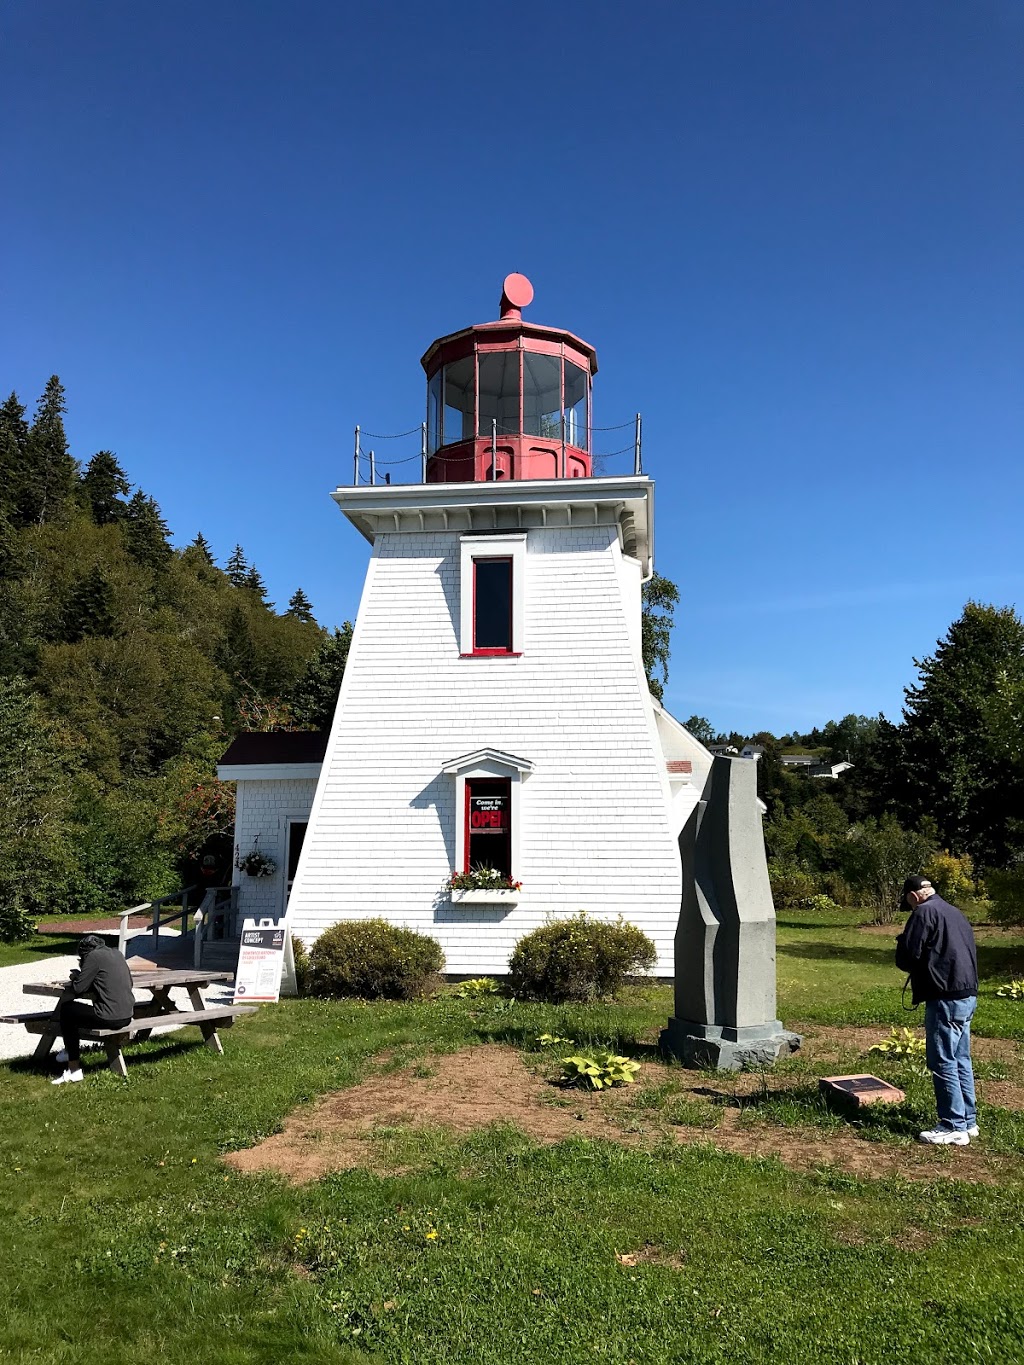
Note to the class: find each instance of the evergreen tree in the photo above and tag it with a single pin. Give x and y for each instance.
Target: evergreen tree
(51, 473)
(13, 459)
(237, 654)
(660, 598)
(300, 607)
(146, 532)
(90, 608)
(237, 568)
(101, 483)
(202, 546)
(315, 695)
(950, 770)
(254, 582)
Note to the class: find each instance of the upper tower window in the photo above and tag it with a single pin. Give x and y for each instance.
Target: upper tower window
(492, 605)
(499, 392)
(492, 579)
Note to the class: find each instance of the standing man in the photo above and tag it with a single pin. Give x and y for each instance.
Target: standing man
(937, 949)
(104, 975)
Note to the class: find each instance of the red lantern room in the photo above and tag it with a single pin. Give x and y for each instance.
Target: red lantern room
(509, 399)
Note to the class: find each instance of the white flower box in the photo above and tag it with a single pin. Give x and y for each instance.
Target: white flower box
(499, 896)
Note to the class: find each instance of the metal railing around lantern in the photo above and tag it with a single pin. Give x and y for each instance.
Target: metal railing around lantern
(367, 466)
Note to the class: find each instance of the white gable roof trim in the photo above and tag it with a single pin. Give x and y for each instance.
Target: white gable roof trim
(487, 758)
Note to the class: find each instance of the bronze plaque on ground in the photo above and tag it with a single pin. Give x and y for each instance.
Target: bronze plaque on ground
(860, 1090)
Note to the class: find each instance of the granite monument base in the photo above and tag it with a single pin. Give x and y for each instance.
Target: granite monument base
(715, 1047)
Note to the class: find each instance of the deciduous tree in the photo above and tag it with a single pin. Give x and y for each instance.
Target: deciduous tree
(660, 599)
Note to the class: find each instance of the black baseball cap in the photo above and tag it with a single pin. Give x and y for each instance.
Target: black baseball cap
(915, 883)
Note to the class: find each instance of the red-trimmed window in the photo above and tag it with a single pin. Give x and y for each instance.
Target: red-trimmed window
(492, 605)
(489, 824)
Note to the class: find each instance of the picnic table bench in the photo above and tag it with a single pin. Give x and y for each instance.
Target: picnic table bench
(159, 1010)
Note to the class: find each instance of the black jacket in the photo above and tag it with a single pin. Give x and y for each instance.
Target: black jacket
(107, 978)
(937, 949)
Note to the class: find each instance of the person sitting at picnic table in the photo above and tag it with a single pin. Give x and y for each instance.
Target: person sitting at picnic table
(104, 975)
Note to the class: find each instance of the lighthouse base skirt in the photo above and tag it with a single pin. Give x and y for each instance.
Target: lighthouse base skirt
(716, 1047)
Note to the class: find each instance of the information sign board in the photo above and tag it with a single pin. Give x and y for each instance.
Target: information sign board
(260, 960)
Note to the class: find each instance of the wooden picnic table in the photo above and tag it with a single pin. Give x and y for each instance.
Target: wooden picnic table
(159, 981)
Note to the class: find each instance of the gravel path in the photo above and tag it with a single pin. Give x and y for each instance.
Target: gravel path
(15, 1042)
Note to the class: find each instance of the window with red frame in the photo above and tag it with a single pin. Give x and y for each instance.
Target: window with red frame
(492, 606)
(489, 824)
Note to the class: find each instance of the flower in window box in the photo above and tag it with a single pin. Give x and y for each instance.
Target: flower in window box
(482, 879)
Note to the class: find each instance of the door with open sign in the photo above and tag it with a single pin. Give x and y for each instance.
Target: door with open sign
(489, 824)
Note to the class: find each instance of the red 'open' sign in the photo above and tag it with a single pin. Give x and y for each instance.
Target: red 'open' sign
(488, 814)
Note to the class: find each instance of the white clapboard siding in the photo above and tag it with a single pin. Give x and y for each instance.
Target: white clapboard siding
(595, 826)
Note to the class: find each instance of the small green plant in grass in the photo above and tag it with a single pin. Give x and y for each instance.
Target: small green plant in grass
(901, 1042)
(476, 987)
(1013, 991)
(600, 1070)
(553, 1040)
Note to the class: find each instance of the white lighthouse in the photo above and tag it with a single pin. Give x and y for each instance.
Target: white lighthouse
(494, 711)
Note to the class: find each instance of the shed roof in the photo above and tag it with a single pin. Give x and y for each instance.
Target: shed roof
(279, 746)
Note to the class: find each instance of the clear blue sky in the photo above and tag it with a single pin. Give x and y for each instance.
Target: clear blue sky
(792, 230)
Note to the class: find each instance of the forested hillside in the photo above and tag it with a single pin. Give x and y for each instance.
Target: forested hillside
(126, 666)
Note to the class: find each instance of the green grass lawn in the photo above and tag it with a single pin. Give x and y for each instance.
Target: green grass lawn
(126, 1239)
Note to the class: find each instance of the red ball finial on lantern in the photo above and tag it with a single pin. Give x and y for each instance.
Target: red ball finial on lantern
(516, 294)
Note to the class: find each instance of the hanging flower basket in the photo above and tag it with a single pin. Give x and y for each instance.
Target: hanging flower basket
(256, 864)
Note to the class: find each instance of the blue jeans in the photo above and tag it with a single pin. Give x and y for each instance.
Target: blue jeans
(947, 1032)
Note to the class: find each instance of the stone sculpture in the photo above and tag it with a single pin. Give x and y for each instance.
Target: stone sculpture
(725, 940)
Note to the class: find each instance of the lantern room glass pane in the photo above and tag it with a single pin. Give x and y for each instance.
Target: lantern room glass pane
(577, 426)
(499, 392)
(542, 395)
(433, 412)
(457, 418)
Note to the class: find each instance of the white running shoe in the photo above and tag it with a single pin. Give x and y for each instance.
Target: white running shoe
(944, 1137)
(973, 1131)
(68, 1076)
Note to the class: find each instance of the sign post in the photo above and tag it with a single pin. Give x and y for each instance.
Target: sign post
(260, 960)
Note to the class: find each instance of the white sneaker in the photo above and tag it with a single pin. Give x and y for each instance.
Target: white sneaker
(61, 1058)
(68, 1076)
(973, 1131)
(944, 1137)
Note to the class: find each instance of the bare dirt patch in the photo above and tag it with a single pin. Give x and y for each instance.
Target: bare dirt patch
(467, 1090)
(1003, 1094)
(490, 1084)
